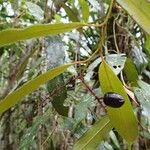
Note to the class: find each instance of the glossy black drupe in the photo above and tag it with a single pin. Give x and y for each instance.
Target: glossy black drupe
(114, 100)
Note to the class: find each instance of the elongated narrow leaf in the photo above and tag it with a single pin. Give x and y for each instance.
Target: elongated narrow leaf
(84, 9)
(13, 35)
(11, 99)
(72, 14)
(147, 44)
(122, 118)
(131, 72)
(139, 10)
(92, 138)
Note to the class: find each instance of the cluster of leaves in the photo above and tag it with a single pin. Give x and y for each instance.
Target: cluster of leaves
(71, 108)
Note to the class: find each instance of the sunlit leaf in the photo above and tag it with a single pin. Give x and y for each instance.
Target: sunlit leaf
(85, 9)
(14, 97)
(93, 137)
(147, 43)
(147, 48)
(121, 118)
(139, 10)
(13, 35)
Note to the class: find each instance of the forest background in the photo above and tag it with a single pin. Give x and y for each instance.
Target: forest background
(57, 60)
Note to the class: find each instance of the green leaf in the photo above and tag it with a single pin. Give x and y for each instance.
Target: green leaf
(123, 118)
(14, 97)
(25, 62)
(147, 48)
(13, 35)
(85, 9)
(147, 43)
(139, 10)
(70, 12)
(92, 138)
(57, 88)
(131, 72)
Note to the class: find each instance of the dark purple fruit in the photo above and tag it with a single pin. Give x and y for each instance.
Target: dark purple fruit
(114, 100)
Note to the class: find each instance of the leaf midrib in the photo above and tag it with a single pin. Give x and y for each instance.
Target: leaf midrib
(96, 134)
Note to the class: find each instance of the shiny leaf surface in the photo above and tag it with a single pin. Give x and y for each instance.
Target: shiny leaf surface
(13, 35)
(121, 118)
(14, 97)
(92, 138)
(139, 10)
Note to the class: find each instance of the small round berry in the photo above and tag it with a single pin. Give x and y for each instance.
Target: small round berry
(114, 100)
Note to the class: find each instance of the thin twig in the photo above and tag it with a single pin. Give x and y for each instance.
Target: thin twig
(114, 34)
(91, 91)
